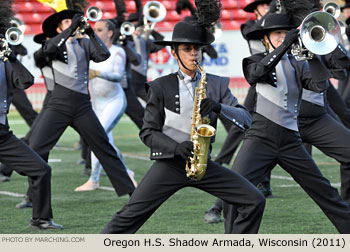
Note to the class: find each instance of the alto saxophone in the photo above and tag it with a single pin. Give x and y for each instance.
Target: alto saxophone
(200, 134)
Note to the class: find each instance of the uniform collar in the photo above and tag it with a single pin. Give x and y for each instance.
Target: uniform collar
(186, 78)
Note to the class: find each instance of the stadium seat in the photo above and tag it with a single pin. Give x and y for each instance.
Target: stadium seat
(230, 4)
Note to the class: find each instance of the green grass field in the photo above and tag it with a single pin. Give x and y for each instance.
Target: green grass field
(290, 211)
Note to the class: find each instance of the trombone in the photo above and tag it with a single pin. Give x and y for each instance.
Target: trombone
(93, 14)
(13, 36)
(153, 12)
(319, 34)
(126, 29)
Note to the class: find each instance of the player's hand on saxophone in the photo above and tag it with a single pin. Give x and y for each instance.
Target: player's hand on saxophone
(184, 150)
(208, 105)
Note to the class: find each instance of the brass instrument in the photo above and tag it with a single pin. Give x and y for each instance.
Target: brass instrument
(153, 12)
(13, 36)
(332, 8)
(16, 22)
(319, 34)
(200, 134)
(93, 14)
(127, 29)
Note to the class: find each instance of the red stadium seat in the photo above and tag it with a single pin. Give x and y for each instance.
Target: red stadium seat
(230, 4)
(172, 16)
(109, 6)
(231, 25)
(24, 7)
(130, 6)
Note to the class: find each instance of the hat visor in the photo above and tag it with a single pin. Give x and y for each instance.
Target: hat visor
(259, 33)
(50, 24)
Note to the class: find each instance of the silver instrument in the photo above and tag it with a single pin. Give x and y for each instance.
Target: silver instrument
(332, 8)
(319, 34)
(127, 29)
(153, 12)
(93, 14)
(14, 36)
(16, 22)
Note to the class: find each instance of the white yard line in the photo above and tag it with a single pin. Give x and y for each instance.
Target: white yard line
(12, 194)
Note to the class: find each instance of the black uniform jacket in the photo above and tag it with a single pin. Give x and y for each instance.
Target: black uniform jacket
(164, 93)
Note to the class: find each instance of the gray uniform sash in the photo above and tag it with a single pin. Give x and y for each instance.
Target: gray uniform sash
(3, 93)
(280, 104)
(178, 125)
(74, 74)
(48, 77)
(141, 48)
(313, 97)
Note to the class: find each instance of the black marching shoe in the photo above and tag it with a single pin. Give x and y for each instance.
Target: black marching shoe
(26, 203)
(266, 190)
(44, 224)
(4, 178)
(213, 215)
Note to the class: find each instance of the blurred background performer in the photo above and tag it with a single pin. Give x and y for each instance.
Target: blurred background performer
(274, 137)
(235, 134)
(107, 96)
(167, 129)
(70, 104)
(144, 46)
(14, 153)
(134, 109)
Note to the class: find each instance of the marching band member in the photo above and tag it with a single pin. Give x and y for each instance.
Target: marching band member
(167, 128)
(273, 137)
(14, 153)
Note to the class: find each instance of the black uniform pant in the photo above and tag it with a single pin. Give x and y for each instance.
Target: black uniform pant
(267, 144)
(67, 107)
(333, 139)
(168, 176)
(6, 170)
(134, 108)
(17, 155)
(138, 81)
(338, 105)
(23, 105)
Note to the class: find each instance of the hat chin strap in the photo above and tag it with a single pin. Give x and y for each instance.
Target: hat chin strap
(268, 37)
(178, 56)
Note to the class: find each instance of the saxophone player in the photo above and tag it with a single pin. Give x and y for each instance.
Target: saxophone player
(166, 131)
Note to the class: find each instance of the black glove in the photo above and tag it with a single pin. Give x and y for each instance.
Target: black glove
(347, 31)
(184, 150)
(208, 105)
(291, 37)
(89, 31)
(347, 21)
(12, 57)
(77, 21)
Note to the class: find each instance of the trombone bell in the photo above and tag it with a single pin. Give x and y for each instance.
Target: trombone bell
(320, 33)
(14, 36)
(154, 11)
(332, 8)
(127, 29)
(94, 13)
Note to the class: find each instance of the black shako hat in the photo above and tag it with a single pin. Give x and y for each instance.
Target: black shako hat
(271, 22)
(252, 6)
(189, 33)
(347, 5)
(50, 23)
